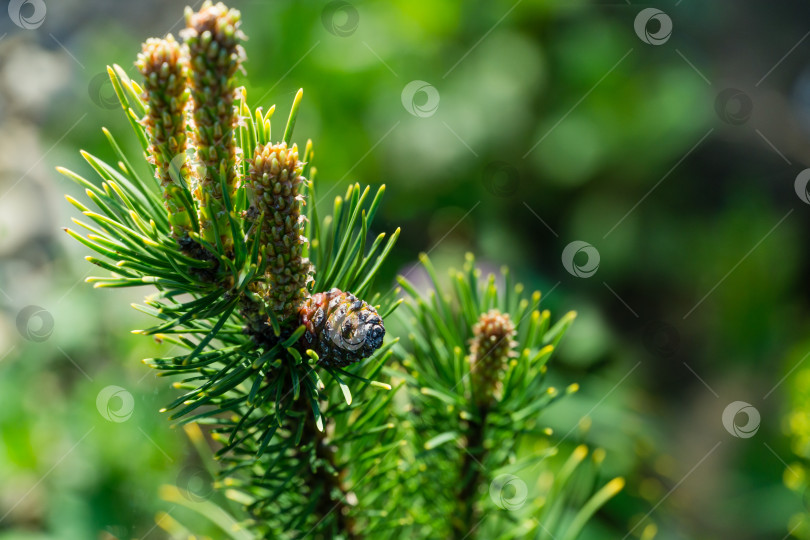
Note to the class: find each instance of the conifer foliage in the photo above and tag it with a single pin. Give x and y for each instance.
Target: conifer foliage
(283, 338)
(477, 364)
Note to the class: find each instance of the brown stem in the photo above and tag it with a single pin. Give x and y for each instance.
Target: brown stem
(465, 520)
(334, 495)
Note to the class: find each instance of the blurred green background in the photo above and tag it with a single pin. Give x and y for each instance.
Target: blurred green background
(531, 125)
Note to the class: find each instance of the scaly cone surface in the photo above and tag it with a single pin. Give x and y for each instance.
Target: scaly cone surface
(273, 191)
(165, 72)
(213, 39)
(491, 347)
(341, 328)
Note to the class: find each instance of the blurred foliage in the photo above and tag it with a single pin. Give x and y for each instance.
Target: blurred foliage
(508, 76)
(796, 425)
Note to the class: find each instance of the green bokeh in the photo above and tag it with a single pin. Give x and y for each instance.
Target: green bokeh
(605, 138)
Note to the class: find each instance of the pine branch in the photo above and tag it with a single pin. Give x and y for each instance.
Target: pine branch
(282, 339)
(470, 476)
(491, 346)
(477, 361)
(258, 311)
(333, 495)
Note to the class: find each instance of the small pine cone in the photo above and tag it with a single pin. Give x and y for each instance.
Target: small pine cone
(213, 39)
(165, 72)
(341, 328)
(491, 347)
(272, 188)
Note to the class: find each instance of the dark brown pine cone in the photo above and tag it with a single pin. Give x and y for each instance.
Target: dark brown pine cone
(341, 328)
